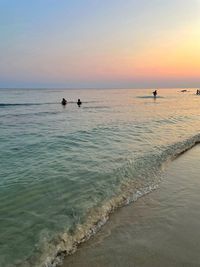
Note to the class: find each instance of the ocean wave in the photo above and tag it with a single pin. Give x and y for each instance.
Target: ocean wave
(25, 104)
(39, 104)
(150, 96)
(146, 172)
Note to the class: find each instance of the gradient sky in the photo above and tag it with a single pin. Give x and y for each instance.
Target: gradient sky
(100, 43)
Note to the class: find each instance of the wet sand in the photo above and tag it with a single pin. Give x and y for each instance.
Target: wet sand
(161, 229)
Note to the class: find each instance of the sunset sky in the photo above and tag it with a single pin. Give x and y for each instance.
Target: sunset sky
(100, 43)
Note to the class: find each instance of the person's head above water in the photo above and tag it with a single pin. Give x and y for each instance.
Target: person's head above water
(64, 101)
(79, 102)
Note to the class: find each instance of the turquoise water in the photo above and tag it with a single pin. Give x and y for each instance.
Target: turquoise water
(64, 169)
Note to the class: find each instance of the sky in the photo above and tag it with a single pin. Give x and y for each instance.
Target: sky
(99, 43)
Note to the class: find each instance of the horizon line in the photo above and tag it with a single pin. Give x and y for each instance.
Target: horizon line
(98, 88)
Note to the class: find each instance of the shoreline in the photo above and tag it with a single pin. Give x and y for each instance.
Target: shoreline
(69, 244)
(134, 218)
(67, 170)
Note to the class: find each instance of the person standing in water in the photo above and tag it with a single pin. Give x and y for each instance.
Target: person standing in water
(155, 93)
(79, 102)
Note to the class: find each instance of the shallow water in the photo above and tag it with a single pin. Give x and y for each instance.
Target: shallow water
(64, 169)
(160, 229)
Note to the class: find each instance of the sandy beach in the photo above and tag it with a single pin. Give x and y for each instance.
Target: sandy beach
(160, 229)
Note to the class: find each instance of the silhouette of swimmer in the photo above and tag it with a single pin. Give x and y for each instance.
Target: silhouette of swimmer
(155, 93)
(198, 92)
(79, 102)
(64, 102)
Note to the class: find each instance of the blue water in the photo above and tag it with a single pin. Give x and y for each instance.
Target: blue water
(64, 169)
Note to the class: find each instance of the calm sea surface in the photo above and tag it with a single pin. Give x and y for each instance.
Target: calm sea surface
(63, 170)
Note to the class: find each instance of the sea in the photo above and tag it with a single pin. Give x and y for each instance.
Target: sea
(65, 169)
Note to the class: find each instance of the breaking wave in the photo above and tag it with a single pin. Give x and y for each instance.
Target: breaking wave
(137, 179)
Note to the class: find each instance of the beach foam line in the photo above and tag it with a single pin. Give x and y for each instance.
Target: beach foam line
(130, 190)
